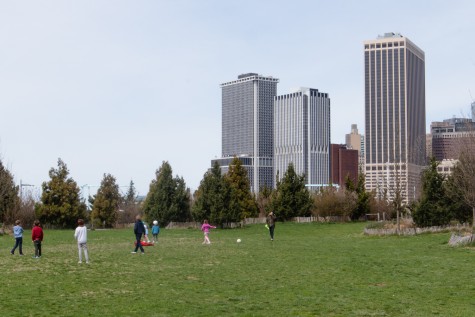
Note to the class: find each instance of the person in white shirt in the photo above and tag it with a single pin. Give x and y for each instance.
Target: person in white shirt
(81, 236)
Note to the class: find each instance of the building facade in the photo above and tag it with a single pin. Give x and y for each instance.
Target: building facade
(355, 141)
(394, 115)
(247, 126)
(343, 164)
(450, 136)
(302, 135)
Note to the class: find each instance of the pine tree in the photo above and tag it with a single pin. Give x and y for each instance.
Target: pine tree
(212, 196)
(363, 199)
(9, 200)
(129, 206)
(430, 210)
(292, 199)
(168, 198)
(61, 203)
(241, 202)
(106, 202)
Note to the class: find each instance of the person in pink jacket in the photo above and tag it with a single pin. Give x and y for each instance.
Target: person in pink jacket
(205, 228)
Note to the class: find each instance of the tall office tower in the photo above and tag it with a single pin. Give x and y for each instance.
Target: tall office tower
(302, 135)
(247, 127)
(355, 141)
(473, 111)
(394, 115)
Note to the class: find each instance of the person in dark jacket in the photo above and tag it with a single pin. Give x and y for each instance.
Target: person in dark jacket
(270, 220)
(139, 230)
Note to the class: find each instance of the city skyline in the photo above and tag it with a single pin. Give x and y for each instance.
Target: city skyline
(119, 87)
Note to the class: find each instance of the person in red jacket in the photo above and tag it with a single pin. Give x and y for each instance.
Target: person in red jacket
(37, 238)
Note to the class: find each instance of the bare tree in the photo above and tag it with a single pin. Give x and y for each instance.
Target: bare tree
(464, 173)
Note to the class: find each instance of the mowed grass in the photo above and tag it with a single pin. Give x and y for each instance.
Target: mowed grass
(309, 270)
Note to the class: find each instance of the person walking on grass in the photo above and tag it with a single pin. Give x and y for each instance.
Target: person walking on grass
(205, 228)
(81, 237)
(139, 230)
(37, 238)
(270, 221)
(18, 235)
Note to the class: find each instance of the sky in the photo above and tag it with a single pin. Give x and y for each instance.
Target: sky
(118, 87)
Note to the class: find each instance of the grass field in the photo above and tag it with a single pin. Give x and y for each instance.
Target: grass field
(309, 270)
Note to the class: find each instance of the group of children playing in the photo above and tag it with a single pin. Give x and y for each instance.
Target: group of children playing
(36, 237)
(80, 234)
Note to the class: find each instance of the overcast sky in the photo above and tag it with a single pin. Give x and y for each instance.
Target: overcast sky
(117, 87)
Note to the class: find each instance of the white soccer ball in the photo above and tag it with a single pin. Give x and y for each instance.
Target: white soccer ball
(155, 222)
(238, 240)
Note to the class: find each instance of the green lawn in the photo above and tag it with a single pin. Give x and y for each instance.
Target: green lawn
(309, 270)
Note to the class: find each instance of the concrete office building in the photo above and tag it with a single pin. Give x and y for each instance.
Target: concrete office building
(247, 126)
(355, 141)
(302, 135)
(394, 115)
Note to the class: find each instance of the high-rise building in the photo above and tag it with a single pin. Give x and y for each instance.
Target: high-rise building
(355, 141)
(394, 115)
(302, 135)
(247, 126)
(343, 164)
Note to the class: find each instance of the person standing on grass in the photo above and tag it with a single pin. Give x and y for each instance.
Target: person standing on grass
(270, 220)
(205, 228)
(37, 238)
(81, 237)
(145, 237)
(18, 235)
(139, 230)
(155, 231)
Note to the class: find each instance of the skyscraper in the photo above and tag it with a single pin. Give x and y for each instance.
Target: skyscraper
(302, 135)
(394, 115)
(247, 126)
(355, 141)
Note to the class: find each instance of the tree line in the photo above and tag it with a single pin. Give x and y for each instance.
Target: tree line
(224, 199)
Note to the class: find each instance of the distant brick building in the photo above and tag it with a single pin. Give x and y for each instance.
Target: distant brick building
(343, 163)
(450, 136)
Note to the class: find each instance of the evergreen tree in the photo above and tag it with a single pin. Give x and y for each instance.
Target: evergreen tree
(363, 199)
(292, 199)
(61, 203)
(9, 200)
(241, 202)
(431, 210)
(180, 209)
(168, 198)
(106, 202)
(129, 206)
(212, 196)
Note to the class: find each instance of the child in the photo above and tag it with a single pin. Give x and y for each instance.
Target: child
(139, 230)
(81, 236)
(37, 238)
(18, 234)
(145, 236)
(155, 231)
(205, 228)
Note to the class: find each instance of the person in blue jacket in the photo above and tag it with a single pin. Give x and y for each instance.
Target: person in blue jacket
(155, 231)
(18, 234)
(139, 230)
